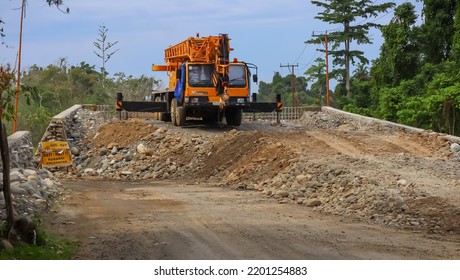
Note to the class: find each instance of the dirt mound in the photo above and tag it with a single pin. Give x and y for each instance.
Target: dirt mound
(384, 176)
(120, 133)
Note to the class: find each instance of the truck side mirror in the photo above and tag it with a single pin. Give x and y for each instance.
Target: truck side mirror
(178, 74)
(255, 78)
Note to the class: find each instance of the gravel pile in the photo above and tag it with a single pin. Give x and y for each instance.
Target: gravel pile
(251, 159)
(341, 191)
(33, 191)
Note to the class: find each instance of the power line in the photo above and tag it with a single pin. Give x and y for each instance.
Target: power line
(304, 48)
(313, 57)
(304, 66)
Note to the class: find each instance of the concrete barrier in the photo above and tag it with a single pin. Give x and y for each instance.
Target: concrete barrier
(368, 121)
(60, 125)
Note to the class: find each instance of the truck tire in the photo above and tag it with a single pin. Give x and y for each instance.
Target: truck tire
(180, 115)
(177, 113)
(233, 116)
(173, 111)
(158, 115)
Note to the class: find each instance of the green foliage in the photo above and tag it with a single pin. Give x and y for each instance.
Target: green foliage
(283, 85)
(351, 15)
(400, 53)
(6, 92)
(442, 98)
(35, 120)
(133, 88)
(456, 37)
(316, 76)
(53, 248)
(438, 29)
(46, 91)
(415, 80)
(340, 98)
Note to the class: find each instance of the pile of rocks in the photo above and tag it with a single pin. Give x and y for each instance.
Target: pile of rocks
(159, 155)
(32, 190)
(227, 159)
(341, 191)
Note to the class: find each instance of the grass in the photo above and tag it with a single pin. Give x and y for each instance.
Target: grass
(53, 248)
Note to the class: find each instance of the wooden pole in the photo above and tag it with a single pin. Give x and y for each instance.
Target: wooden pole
(292, 85)
(18, 82)
(328, 96)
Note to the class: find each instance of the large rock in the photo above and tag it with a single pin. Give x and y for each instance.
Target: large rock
(455, 147)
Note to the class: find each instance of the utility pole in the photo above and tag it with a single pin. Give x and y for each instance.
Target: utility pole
(18, 82)
(326, 45)
(292, 79)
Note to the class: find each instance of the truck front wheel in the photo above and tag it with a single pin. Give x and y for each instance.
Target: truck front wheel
(233, 116)
(173, 111)
(177, 113)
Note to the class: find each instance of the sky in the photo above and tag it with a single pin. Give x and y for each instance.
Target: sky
(268, 33)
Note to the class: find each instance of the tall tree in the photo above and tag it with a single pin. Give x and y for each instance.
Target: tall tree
(456, 38)
(316, 76)
(400, 52)
(353, 16)
(104, 50)
(438, 29)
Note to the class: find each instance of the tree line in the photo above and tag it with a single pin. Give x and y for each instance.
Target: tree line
(46, 91)
(415, 78)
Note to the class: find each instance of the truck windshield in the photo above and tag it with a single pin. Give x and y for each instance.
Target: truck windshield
(199, 75)
(237, 76)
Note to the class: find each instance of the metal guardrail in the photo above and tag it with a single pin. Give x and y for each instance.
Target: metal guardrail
(288, 113)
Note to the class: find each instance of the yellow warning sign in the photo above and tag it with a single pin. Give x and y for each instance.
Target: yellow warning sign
(55, 145)
(56, 154)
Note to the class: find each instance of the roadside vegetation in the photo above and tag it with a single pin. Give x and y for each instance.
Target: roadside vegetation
(46, 91)
(50, 247)
(414, 81)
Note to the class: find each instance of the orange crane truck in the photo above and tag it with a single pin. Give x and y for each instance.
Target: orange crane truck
(203, 83)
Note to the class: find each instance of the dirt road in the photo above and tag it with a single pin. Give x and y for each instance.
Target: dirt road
(318, 188)
(174, 220)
